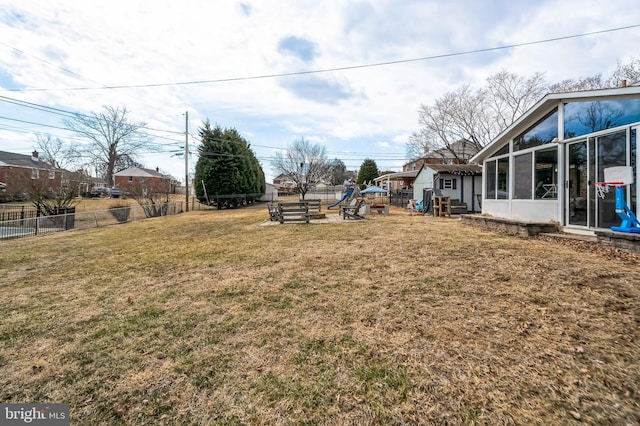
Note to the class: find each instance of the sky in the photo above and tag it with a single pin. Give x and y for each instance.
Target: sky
(349, 75)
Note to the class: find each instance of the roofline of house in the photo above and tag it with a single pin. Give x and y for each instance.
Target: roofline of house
(553, 99)
(398, 174)
(41, 165)
(150, 172)
(468, 169)
(36, 161)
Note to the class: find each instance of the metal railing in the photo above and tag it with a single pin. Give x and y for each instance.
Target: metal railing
(40, 225)
(12, 212)
(400, 198)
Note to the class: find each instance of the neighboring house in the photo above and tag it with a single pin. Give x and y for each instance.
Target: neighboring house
(80, 180)
(463, 150)
(543, 167)
(459, 153)
(456, 181)
(97, 184)
(141, 181)
(284, 184)
(20, 174)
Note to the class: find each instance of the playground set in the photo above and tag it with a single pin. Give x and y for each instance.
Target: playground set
(351, 202)
(620, 177)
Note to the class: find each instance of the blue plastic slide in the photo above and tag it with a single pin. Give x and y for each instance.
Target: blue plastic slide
(344, 197)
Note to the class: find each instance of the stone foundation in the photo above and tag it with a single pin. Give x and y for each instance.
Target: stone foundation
(522, 229)
(619, 240)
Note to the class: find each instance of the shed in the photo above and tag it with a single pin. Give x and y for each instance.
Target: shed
(457, 181)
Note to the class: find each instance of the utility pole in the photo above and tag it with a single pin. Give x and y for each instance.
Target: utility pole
(186, 158)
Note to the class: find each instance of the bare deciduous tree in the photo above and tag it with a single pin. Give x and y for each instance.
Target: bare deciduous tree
(464, 121)
(629, 72)
(304, 163)
(625, 71)
(510, 95)
(56, 152)
(584, 83)
(467, 118)
(111, 137)
(50, 203)
(457, 123)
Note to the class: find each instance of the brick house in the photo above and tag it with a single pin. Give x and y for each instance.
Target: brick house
(284, 184)
(458, 153)
(141, 181)
(21, 174)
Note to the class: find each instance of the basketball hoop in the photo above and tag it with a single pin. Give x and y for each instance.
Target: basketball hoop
(602, 188)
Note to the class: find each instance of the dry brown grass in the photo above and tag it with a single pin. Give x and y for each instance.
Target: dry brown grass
(208, 318)
(94, 204)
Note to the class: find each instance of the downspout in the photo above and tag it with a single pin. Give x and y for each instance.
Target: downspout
(561, 164)
(473, 193)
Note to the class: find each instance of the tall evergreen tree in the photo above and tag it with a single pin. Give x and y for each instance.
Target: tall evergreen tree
(368, 171)
(226, 165)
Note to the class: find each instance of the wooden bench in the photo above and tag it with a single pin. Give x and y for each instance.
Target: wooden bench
(293, 212)
(273, 211)
(352, 211)
(457, 207)
(314, 205)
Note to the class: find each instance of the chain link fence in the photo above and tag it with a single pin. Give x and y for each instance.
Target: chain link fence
(22, 222)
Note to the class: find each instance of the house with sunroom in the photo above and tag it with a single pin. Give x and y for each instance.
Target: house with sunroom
(543, 167)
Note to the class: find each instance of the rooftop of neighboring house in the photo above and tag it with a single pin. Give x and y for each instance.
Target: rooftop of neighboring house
(462, 149)
(281, 177)
(21, 160)
(140, 172)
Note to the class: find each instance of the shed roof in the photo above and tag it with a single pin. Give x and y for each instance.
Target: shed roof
(456, 169)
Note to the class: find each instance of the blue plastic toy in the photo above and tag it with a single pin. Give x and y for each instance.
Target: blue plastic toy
(630, 222)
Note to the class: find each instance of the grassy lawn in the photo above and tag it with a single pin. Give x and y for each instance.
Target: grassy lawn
(209, 318)
(93, 204)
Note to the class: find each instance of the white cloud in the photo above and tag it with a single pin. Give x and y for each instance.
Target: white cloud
(94, 43)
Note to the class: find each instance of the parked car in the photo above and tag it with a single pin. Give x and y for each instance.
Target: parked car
(98, 192)
(106, 192)
(114, 192)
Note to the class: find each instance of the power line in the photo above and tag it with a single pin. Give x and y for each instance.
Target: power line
(57, 66)
(343, 156)
(71, 114)
(327, 70)
(38, 107)
(31, 122)
(45, 61)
